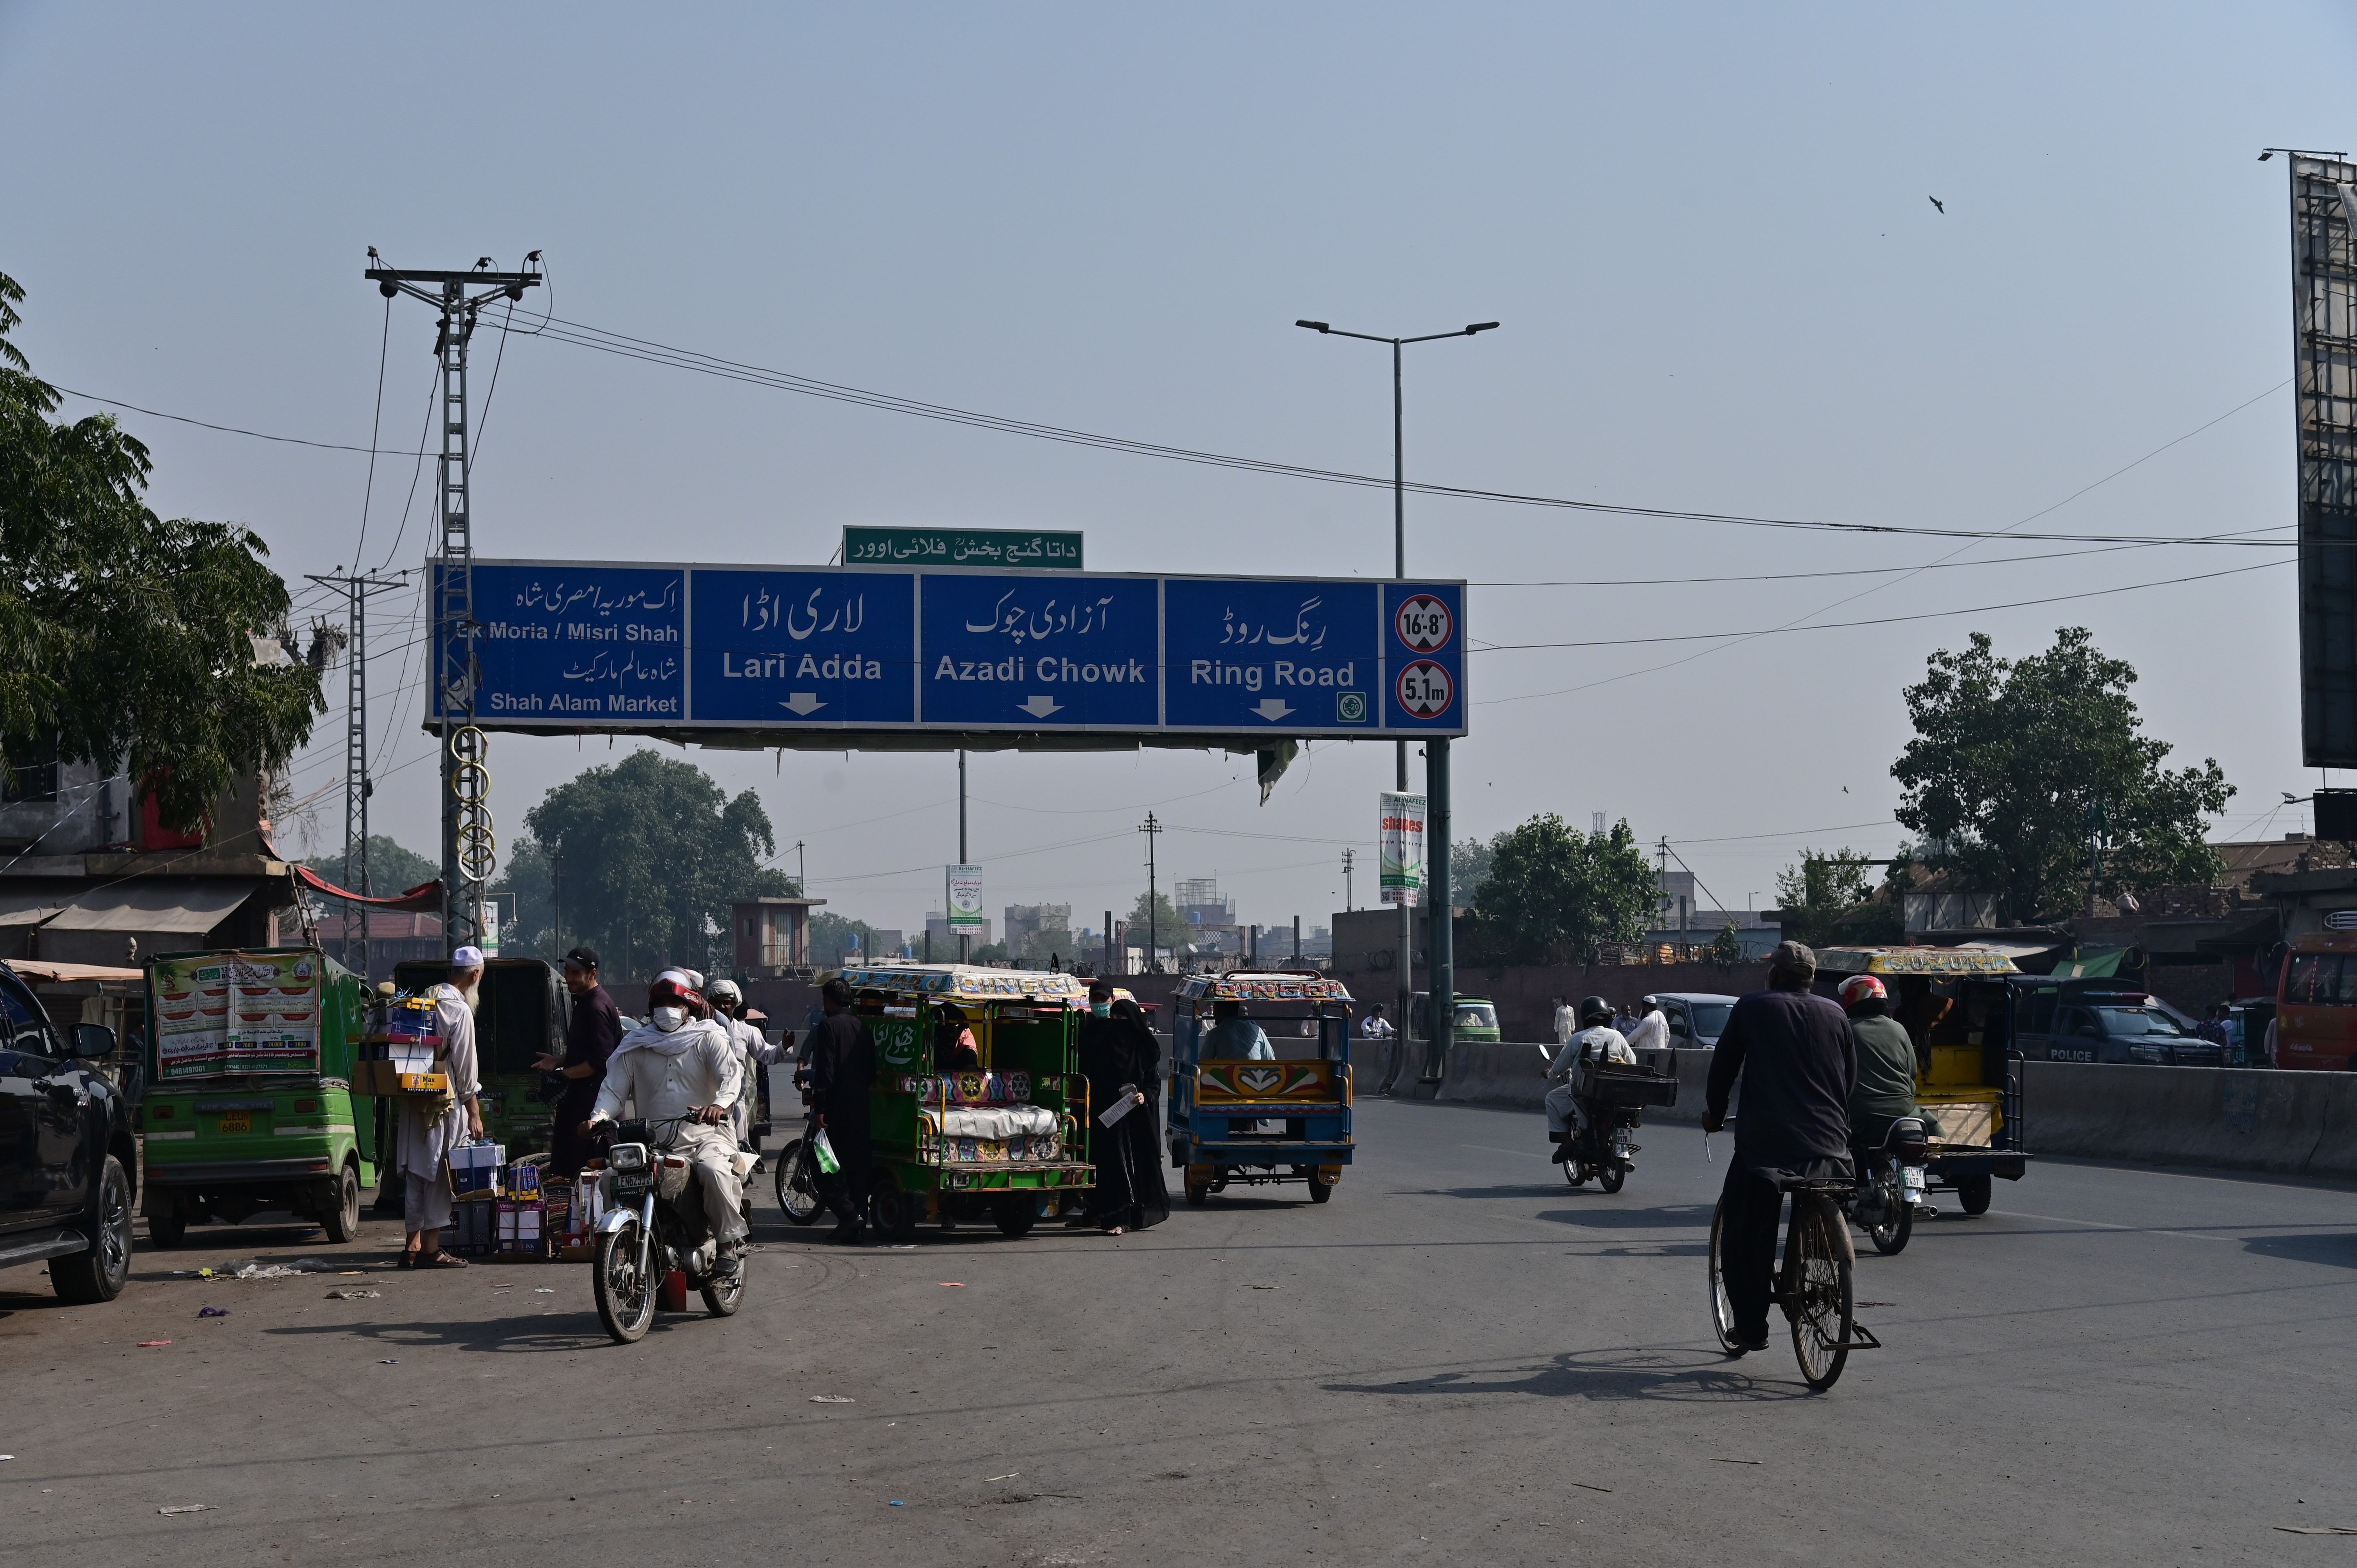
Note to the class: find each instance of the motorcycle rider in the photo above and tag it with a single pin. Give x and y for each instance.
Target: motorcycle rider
(680, 1064)
(754, 1054)
(1883, 1069)
(1597, 1041)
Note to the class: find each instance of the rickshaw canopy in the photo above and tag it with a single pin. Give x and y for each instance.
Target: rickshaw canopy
(1934, 963)
(1266, 985)
(967, 982)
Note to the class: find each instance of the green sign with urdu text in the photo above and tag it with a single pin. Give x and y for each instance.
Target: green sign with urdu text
(961, 547)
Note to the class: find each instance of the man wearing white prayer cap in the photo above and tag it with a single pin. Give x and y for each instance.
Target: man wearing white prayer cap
(426, 1128)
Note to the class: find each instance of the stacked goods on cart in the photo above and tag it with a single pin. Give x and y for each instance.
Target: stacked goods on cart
(399, 1054)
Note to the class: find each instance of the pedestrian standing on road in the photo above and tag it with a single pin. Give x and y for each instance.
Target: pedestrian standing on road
(842, 1070)
(1791, 1051)
(1123, 1062)
(1622, 1019)
(427, 1127)
(1378, 1028)
(1652, 1030)
(589, 1040)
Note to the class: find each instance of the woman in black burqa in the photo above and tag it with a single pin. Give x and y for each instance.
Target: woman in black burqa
(1119, 1054)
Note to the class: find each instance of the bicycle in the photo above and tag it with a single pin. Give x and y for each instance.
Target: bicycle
(1814, 1285)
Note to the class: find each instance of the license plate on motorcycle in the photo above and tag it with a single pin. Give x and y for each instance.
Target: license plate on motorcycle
(234, 1122)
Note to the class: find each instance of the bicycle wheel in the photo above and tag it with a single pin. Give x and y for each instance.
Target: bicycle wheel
(797, 1184)
(1818, 1263)
(1722, 1307)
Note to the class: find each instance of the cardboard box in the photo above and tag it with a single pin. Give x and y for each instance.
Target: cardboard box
(475, 1168)
(474, 1229)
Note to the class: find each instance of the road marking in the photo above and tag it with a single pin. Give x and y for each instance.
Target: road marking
(2138, 1230)
(1518, 1153)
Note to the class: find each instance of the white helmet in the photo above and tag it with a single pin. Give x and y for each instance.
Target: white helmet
(723, 991)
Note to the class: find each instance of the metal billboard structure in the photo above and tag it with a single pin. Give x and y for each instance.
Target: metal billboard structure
(832, 657)
(2324, 350)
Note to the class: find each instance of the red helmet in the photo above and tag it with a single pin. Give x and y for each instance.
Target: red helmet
(1860, 988)
(670, 990)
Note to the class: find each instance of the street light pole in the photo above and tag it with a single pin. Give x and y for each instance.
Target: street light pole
(1443, 1012)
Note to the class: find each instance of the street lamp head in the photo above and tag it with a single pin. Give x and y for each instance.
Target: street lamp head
(1314, 325)
(1481, 327)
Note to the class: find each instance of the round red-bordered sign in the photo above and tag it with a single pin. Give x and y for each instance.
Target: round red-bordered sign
(1424, 623)
(1425, 689)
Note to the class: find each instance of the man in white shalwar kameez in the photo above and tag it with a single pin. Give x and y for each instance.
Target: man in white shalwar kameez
(425, 1128)
(754, 1053)
(678, 1071)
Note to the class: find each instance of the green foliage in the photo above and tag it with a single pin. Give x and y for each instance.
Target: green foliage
(529, 873)
(1552, 889)
(2011, 758)
(1830, 898)
(1727, 947)
(1169, 926)
(830, 937)
(392, 868)
(1468, 869)
(645, 857)
(124, 636)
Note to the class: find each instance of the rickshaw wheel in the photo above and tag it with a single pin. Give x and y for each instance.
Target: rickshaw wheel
(1199, 1193)
(889, 1213)
(1014, 1212)
(1319, 1192)
(1973, 1192)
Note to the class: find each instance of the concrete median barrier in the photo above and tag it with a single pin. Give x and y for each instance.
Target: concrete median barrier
(2292, 1124)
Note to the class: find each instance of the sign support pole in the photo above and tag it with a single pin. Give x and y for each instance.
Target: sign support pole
(965, 942)
(1438, 917)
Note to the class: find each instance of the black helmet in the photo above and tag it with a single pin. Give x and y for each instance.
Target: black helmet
(1595, 1010)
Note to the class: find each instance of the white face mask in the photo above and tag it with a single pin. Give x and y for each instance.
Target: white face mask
(669, 1019)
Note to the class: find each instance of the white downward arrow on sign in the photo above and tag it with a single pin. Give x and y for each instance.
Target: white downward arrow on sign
(804, 703)
(1039, 707)
(1272, 710)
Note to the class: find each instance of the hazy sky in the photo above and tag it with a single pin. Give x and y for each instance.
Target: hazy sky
(1707, 229)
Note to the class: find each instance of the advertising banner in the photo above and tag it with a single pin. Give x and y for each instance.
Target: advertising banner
(232, 1013)
(1399, 842)
(964, 903)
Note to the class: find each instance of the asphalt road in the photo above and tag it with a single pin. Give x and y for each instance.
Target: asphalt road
(1457, 1359)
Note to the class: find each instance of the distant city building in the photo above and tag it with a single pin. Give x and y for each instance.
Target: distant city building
(937, 926)
(1678, 917)
(1025, 921)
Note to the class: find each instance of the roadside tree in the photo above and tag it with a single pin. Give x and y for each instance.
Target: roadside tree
(1551, 888)
(645, 857)
(2017, 764)
(126, 640)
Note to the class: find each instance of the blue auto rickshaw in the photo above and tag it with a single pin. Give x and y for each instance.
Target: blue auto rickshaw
(1282, 1119)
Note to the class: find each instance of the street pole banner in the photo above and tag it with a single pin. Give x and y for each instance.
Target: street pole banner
(819, 657)
(964, 900)
(1399, 842)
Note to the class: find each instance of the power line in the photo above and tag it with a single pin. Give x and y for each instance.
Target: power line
(1882, 620)
(230, 429)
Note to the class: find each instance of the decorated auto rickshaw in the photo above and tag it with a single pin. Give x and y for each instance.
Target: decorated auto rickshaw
(1958, 1006)
(1000, 1138)
(1234, 1118)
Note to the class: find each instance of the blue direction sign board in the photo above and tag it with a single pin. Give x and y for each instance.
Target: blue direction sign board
(832, 651)
(1023, 650)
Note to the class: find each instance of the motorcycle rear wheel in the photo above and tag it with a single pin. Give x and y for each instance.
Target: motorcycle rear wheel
(624, 1283)
(1898, 1224)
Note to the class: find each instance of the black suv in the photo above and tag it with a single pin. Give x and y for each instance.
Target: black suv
(65, 1150)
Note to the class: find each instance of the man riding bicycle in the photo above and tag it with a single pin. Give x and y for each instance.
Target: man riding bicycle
(1792, 1052)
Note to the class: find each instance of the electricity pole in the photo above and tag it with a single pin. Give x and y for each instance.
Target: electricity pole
(1153, 939)
(1347, 857)
(468, 853)
(356, 586)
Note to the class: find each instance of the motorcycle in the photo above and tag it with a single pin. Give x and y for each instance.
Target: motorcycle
(654, 1242)
(1891, 1186)
(1602, 1148)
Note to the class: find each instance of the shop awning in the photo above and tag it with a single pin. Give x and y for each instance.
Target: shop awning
(29, 908)
(426, 895)
(48, 970)
(193, 907)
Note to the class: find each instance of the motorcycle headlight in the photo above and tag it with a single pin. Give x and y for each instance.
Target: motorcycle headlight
(627, 1157)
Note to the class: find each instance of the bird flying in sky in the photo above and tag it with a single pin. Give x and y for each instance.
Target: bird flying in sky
(1937, 203)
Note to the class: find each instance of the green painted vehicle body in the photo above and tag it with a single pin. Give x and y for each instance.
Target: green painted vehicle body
(232, 1143)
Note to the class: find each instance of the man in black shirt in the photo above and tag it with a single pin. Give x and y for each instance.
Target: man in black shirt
(1792, 1052)
(842, 1068)
(595, 1030)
